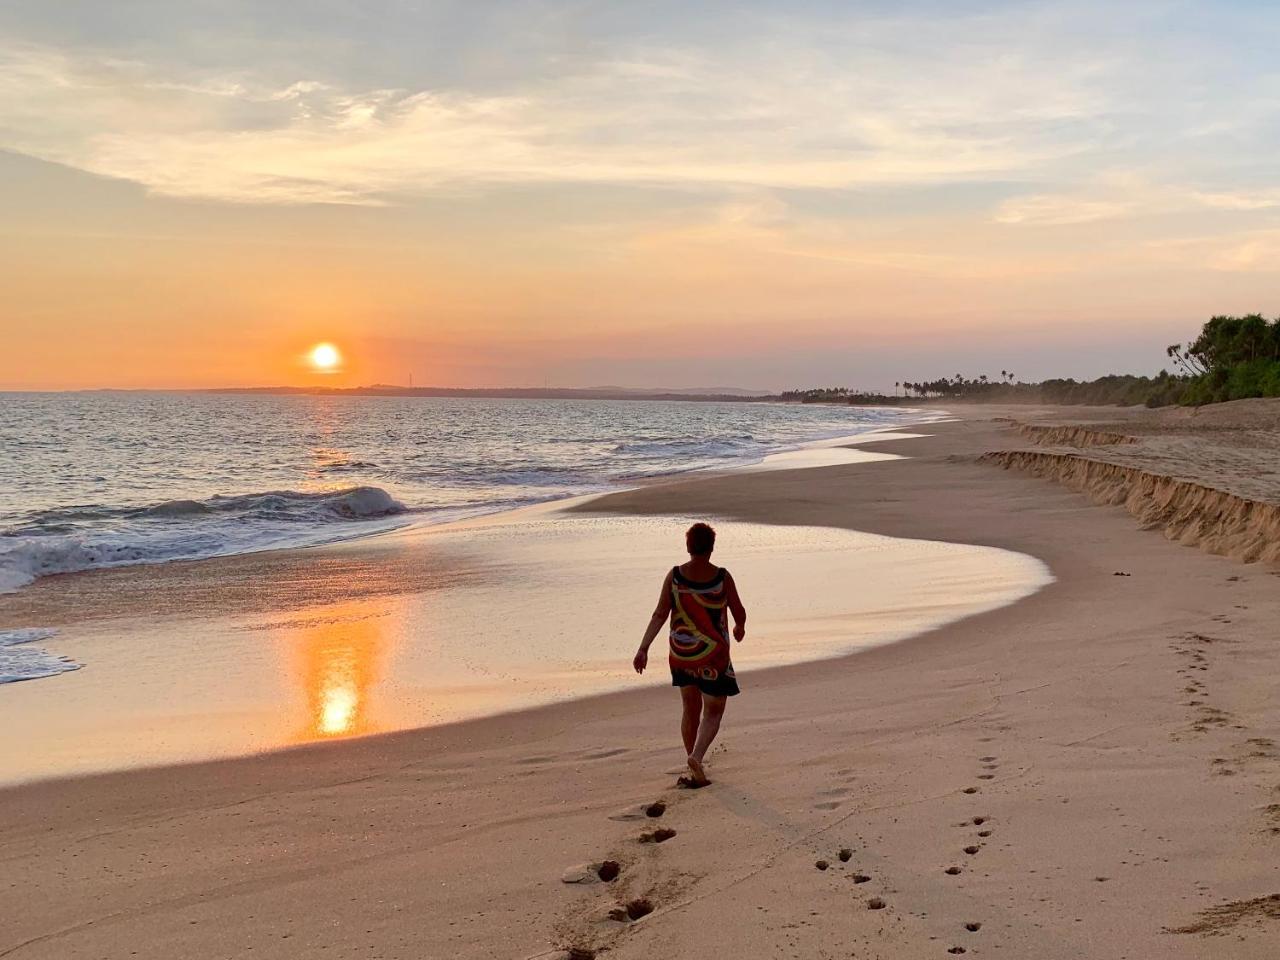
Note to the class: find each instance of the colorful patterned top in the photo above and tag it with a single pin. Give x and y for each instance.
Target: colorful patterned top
(700, 625)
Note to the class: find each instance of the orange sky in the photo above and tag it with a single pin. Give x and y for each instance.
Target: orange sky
(851, 197)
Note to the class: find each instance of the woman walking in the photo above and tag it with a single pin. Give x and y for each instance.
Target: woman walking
(697, 598)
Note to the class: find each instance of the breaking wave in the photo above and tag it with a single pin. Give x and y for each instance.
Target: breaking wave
(91, 537)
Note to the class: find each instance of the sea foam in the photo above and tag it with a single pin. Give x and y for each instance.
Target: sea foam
(21, 661)
(190, 530)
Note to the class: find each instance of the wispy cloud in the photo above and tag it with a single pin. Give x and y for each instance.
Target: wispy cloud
(1265, 199)
(1112, 197)
(1249, 251)
(781, 114)
(1050, 210)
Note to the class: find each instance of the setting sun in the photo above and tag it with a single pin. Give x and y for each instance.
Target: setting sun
(325, 357)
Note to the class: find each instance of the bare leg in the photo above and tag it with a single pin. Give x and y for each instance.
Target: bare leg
(712, 711)
(691, 700)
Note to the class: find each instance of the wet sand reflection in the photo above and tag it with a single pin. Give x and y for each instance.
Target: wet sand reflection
(340, 654)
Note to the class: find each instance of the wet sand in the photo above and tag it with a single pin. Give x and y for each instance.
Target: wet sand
(225, 658)
(1089, 772)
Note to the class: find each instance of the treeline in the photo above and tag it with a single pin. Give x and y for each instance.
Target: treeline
(1233, 358)
(817, 395)
(1115, 389)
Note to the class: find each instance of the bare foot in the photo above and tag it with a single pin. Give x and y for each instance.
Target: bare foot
(699, 773)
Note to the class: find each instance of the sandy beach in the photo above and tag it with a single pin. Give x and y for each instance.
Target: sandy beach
(1092, 771)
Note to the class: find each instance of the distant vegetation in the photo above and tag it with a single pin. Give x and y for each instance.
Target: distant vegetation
(818, 395)
(1233, 358)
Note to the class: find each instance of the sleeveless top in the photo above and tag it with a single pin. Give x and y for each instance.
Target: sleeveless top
(699, 625)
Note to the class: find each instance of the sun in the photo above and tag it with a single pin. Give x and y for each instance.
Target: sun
(325, 358)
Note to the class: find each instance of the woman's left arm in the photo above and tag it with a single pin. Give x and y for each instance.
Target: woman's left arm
(735, 607)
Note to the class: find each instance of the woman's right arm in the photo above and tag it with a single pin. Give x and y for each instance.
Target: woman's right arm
(660, 614)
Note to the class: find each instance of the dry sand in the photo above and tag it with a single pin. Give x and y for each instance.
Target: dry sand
(1091, 772)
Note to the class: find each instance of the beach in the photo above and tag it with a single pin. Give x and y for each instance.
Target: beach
(1090, 771)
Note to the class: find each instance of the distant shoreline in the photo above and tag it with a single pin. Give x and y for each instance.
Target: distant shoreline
(575, 393)
(501, 393)
(727, 395)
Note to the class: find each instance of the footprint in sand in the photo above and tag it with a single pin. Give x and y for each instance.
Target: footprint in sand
(969, 790)
(603, 872)
(643, 812)
(608, 871)
(973, 926)
(953, 871)
(632, 910)
(686, 783)
(971, 850)
(661, 835)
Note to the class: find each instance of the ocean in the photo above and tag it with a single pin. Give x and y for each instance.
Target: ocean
(109, 479)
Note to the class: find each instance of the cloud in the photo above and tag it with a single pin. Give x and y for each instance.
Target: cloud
(1116, 195)
(1240, 199)
(776, 115)
(1248, 251)
(814, 101)
(1049, 210)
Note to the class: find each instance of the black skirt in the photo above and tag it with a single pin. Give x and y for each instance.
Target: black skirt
(724, 685)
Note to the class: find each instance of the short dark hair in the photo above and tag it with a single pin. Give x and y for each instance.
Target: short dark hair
(700, 539)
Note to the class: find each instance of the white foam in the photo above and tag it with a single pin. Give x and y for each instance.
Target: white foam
(21, 661)
(198, 530)
(818, 456)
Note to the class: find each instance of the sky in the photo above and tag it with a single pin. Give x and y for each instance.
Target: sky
(575, 193)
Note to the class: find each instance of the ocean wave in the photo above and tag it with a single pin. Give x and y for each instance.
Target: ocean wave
(189, 530)
(683, 446)
(343, 466)
(20, 661)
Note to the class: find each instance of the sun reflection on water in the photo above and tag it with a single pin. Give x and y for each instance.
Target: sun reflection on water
(340, 652)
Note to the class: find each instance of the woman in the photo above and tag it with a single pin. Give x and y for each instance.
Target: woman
(697, 597)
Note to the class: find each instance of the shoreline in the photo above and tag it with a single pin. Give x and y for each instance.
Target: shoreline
(416, 517)
(875, 751)
(327, 659)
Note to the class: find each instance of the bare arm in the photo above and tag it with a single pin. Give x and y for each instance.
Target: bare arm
(660, 614)
(736, 608)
